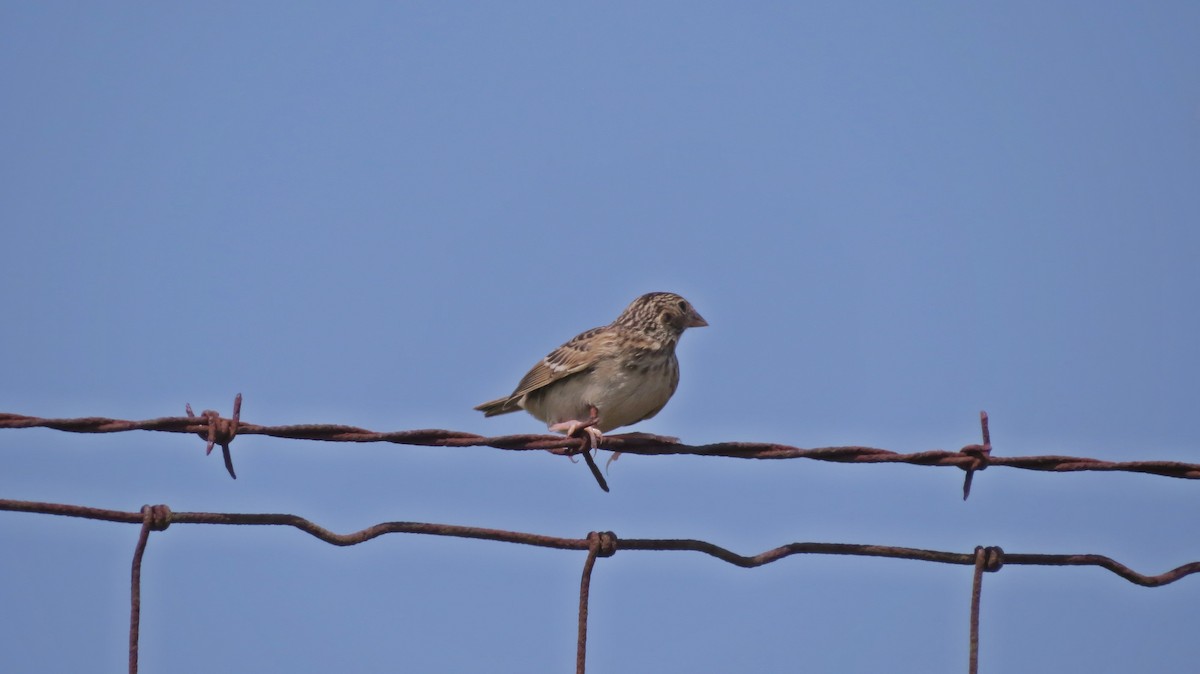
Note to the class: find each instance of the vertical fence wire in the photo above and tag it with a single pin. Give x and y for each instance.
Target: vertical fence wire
(584, 592)
(600, 544)
(976, 589)
(135, 593)
(154, 518)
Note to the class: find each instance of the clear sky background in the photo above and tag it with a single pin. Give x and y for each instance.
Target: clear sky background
(893, 215)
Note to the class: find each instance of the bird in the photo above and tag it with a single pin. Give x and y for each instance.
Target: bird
(607, 377)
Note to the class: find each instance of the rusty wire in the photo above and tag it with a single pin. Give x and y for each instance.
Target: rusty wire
(154, 518)
(600, 544)
(597, 544)
(971, 458)
(986, 559)
(216, 430)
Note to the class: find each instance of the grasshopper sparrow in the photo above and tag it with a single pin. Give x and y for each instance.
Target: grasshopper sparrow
(607, 377)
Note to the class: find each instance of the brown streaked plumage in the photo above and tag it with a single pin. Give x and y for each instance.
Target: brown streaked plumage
(607, 377)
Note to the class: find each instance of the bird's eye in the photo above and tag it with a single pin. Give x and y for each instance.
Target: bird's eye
(683, 306)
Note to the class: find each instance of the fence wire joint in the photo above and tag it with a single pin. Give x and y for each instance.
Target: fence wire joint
(603, 542)
(157, 517)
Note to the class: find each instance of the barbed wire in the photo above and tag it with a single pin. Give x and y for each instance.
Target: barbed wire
(597, 544)
(217, 430)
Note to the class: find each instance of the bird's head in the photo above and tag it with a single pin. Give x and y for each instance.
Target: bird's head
(661, 313)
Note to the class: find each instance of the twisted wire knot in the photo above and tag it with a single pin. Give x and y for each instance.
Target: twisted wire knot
(221, 431)
(990, 558)
(980, 456)
(603, 542)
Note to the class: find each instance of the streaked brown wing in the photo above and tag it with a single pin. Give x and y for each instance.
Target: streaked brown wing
(575, 356)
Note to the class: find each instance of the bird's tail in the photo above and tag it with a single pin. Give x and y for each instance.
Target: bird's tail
(499, 406)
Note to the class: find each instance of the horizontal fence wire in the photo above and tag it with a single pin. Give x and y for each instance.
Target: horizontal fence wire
(220, 431)
(597, 544)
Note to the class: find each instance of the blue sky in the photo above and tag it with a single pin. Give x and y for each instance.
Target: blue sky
(892, 215)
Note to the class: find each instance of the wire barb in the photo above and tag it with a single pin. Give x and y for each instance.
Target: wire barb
(591, 464)
(220, 431)
(979, 455)
(584, 430)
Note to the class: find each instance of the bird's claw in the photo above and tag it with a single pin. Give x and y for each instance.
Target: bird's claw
(591, 434)
(614, 457)
(573, 427)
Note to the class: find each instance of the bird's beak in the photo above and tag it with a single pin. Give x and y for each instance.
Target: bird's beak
(696, 321)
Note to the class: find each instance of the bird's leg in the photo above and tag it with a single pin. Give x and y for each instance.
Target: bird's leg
(572, 427)
(594, 434)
